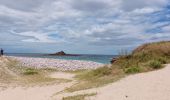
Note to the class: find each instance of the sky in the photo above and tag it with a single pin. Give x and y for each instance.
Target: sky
(82, 26)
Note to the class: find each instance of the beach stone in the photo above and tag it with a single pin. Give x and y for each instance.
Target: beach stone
(63, 65)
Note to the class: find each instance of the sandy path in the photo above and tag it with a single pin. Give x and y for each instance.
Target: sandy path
(153, 85)
(32, 93)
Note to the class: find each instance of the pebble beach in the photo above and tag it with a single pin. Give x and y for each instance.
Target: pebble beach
(60, 64)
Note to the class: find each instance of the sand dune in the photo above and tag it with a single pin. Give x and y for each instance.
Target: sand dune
(153, 85)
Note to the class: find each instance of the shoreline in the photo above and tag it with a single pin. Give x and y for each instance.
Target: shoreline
(60, 64)
(104, 59)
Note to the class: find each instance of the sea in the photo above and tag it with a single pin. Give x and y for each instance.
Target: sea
(104, 59)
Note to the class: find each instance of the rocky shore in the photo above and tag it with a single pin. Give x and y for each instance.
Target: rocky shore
(63, 65)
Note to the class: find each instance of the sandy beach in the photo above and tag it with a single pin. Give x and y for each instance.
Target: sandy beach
(63, 65)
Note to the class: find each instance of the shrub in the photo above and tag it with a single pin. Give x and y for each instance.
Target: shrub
(155, 64)
(30, 71)
(132, 70)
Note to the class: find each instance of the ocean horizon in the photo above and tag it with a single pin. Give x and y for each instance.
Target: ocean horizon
(104, 59)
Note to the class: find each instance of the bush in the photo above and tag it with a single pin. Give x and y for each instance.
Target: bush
(30, 71)
(155, 64)
(132, 70)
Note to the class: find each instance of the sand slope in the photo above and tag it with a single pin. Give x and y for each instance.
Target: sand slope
(32, 93)
(146, 86)
(153, 85)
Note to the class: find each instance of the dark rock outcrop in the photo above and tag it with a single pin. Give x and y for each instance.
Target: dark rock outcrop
(113, 60)
(62, 53)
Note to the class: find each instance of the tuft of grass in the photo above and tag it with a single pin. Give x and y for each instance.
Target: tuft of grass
(132, 70)
(99, 72)
(162, 60)
(155, 64)
(30, 71)
(79, 97)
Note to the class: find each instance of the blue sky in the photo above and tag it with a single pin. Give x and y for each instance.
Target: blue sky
(82, 26)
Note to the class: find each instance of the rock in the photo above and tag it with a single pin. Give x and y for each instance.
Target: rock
(113, 60)
(59, 64)
(61, 53)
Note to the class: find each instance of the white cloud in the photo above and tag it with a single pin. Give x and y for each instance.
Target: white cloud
(166, 29)
(146, 10)
(130, 5)
(36, 37)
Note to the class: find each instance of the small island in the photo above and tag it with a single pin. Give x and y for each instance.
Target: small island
(62, 53)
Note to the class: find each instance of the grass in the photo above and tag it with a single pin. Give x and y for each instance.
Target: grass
(79, 97)
(132, 70)
(155, 54)
(155, 64)
(96, 78)
(90, 75)
(30, 71)
(30, 76)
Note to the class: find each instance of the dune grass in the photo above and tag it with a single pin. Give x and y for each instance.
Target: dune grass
(96, 78)
(30, 71)
(29, 76)
(146, 57)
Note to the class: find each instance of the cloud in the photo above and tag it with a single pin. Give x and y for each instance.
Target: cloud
(23, 5)
(89, 23)
(130, 5)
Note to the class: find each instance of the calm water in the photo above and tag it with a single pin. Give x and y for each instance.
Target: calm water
(96, 58)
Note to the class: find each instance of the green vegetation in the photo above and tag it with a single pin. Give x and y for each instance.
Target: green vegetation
(145, 58)
(96, 78)
(90, 75)
(13, 72)
(155, 54)
(131, 70)
(30, 71)
(162, 60)
(155, 64)
(78, 97)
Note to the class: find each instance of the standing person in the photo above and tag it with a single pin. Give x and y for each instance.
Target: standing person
(2, 51)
